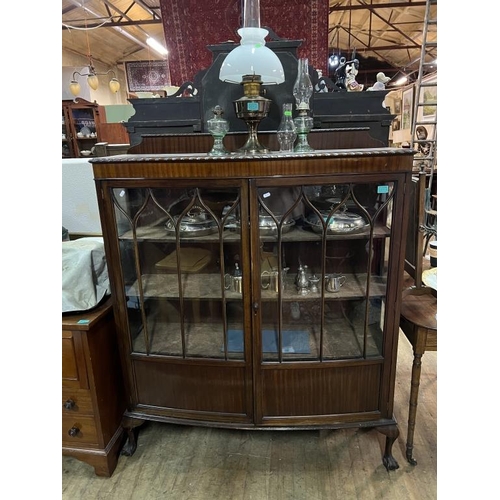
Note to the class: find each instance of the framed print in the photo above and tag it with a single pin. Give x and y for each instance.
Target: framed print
(407, 108)
(428, 97)
(397, 106)
(396, 124)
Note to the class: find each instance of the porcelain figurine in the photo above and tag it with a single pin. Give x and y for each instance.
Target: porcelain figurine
(351, 70)
(321, 85)
(380, 83)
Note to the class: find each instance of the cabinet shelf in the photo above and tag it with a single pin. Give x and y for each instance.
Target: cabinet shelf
(159, 233)
(341, 340)
(208, 286)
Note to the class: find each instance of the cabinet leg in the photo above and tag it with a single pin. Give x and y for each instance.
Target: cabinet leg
(391, 432)
(412, 413)
(131, 426)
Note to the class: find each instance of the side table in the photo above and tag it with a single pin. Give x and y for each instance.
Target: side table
(418, 321)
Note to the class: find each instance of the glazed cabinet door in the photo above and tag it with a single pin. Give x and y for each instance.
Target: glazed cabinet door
(184, 284)
(323, 257)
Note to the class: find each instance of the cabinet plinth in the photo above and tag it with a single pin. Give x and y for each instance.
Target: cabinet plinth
(243, 296)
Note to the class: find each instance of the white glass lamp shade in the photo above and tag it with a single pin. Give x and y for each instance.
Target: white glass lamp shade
(74, 87)
(114, 85)
(252, 57)
(93, 81)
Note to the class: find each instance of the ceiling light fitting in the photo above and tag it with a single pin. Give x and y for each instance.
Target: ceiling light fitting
(158, 47)
(401, 81)
(93, 80)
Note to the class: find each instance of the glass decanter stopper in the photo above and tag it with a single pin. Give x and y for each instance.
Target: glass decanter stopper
(218, 127)
(303, 87)
(286, 132)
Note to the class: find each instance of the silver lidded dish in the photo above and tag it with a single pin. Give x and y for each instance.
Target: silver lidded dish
(338, 223)
(196, 222)
(267, 225)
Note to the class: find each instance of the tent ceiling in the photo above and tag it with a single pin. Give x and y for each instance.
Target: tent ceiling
(386, 33)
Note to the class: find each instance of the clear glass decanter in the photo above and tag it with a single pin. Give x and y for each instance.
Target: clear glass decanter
(286, 132)
(218, 127)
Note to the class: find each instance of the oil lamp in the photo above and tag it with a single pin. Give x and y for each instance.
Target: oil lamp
(252, 65)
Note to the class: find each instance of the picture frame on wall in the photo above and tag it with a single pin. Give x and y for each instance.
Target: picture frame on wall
(397, 106)
(407, 109)
(396, 124)
(428, 96)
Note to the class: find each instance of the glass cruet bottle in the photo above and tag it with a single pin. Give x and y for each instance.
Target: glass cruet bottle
(286, 132)
(218, 127)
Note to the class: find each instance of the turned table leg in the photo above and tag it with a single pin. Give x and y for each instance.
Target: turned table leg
(412, 413)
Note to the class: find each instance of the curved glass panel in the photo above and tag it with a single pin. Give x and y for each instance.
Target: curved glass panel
(324, 263)
(179, 253)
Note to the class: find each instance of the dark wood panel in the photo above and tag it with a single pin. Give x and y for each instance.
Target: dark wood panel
(309, 391)
(74, 370)
(192, 387)
(353, 161)
(114, 133)
(106, 376)
(69, 367)
(203, 142)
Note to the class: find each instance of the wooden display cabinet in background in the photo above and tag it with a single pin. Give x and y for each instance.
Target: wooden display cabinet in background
(78, 115)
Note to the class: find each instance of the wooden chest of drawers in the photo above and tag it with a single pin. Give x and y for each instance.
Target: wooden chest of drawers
(92, 389)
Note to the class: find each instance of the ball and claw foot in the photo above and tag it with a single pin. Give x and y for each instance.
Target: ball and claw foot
(390, 462)
(391, 432)
(131, 445)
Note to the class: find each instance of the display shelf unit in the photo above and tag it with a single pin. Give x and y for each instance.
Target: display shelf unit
(80, 127)
(201, 345)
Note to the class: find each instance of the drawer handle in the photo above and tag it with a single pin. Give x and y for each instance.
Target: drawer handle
(69, 404)
(73, 432)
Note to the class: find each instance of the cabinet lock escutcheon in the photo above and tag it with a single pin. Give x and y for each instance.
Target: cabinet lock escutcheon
(255, 307)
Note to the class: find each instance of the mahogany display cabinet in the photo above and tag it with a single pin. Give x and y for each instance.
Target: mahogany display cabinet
(257, 292)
